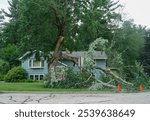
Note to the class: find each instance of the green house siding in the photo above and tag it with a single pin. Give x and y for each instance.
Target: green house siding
(35, 71)
(100, 63)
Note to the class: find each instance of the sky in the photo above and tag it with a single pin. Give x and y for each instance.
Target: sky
(138, 10)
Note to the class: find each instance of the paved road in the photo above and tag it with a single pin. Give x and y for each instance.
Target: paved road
(74, 98)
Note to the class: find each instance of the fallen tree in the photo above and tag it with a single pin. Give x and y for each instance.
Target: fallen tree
(89, 66)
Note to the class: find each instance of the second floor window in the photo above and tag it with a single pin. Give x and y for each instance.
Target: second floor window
(36, 64)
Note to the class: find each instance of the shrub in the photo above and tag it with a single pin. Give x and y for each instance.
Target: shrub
(15, 74)
(1, 77)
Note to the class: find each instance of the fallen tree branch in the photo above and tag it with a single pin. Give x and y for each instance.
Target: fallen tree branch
(89, 77)
(110, 81)
(114, 75)
(105, 84)
(75, 60)
(107, 71)
(70, 57)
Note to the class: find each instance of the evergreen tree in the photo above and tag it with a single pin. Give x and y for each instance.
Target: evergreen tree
(1, 20)
(10, 31)
(145, 54)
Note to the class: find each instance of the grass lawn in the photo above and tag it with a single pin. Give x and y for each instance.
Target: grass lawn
(4, 86)
(39, 87)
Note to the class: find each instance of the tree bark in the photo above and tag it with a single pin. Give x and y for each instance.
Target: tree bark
(71, 58)
(57, 52)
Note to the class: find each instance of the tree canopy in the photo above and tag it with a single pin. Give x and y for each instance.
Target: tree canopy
(39, 23)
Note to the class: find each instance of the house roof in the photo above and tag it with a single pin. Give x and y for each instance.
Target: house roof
(28, 54)
(96, 54)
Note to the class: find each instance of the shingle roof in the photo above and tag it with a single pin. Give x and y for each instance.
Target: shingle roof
(96, 54)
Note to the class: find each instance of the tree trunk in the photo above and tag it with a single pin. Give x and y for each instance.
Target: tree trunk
(70, 57)
(57, 52)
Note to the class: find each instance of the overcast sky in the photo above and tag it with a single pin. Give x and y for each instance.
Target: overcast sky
(135, 9)
(139, 10)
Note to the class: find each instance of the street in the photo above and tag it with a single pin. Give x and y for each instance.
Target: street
(73, 98)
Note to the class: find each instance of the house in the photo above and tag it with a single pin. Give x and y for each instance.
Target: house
(36, 69)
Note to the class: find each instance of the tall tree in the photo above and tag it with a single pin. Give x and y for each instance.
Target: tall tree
(46, 24)
(129, 42)
(1, 20)
(1, 26)
(10, 31)
(145, 54)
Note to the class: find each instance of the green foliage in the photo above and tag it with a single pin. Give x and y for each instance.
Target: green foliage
(98, 44)
(10, 54)
(35, 25)
(97, 21)
(11, 33)
(96, 86)
(72, 80)
(15, 74)
(137, 75)
(1, 20)
(4, 67)
(129, 42)
(145, 53)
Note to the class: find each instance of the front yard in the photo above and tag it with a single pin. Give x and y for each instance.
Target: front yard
(5, 86)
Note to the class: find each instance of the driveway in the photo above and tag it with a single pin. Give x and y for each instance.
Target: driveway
(73, 98)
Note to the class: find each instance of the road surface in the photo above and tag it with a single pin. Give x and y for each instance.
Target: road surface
(73, 98)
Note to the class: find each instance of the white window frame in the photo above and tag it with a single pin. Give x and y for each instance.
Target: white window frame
(32, 60)
(80, 61)
(36, 74)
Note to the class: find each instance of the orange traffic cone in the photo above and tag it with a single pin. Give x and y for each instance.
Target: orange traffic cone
(118, 88)
(141, 88)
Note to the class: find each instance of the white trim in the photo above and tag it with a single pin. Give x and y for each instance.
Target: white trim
(28, 52)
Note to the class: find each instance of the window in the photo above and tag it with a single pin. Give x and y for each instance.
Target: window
(31, 76)
(41, 77)
(37, 77)
(36, 64)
